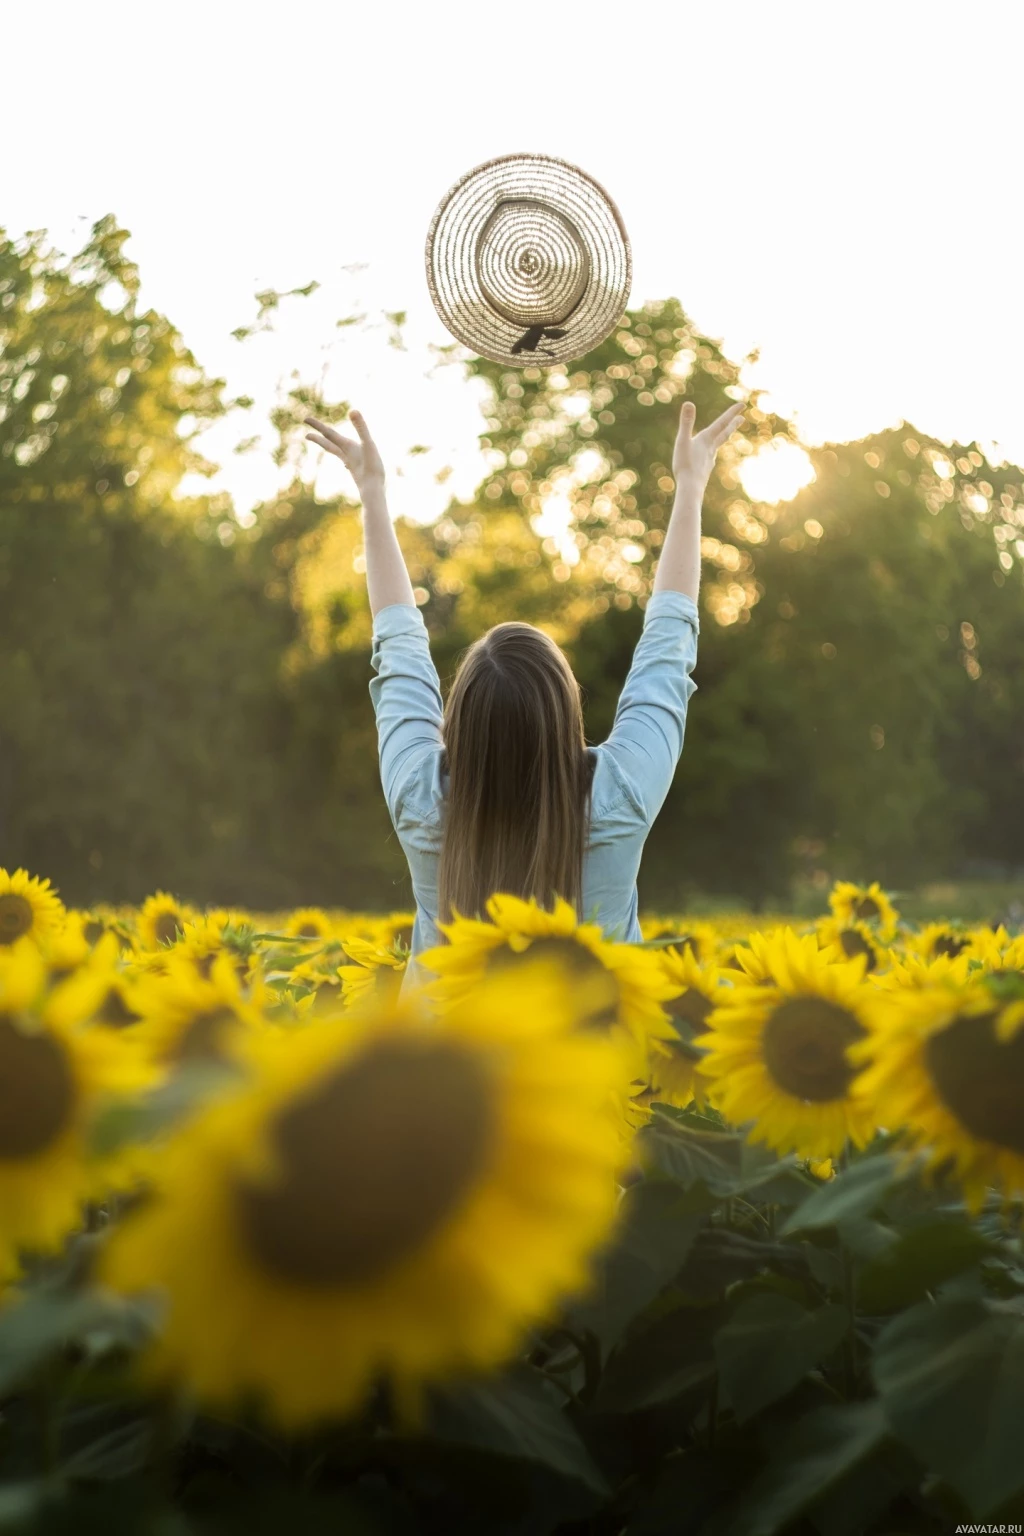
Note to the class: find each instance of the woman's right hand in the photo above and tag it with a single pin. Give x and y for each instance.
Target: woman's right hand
(361, 458)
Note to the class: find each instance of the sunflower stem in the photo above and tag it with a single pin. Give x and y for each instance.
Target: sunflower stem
(850, 1336)
(713, 1413)
(49, 1423)
(167, 1426)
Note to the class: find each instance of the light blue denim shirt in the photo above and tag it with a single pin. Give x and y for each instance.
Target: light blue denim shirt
(633, 769)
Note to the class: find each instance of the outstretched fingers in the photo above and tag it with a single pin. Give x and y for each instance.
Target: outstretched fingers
(337, 446)
(721, 427)
(326, 437)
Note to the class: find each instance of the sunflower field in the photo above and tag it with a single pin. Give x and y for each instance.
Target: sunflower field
(715, 1233)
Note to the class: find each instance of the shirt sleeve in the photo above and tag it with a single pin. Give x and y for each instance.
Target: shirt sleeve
(406, 697)
(646, 738)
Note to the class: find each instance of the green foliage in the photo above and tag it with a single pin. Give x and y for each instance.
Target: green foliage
(184, 701)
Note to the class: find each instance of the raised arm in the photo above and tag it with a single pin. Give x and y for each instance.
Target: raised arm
(647, 734)
(693, 459)
(387, 580)
(405, 692)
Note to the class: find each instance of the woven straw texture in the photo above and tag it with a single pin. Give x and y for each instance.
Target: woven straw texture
(528, 261)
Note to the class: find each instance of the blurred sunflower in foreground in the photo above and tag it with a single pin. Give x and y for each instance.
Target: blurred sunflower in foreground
(946, 1063)
(777, 1047)
(191, 1015)
(28, 907)
(394, 1195)
(54, 1077)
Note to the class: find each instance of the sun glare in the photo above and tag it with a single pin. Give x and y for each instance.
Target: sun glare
(777, 472)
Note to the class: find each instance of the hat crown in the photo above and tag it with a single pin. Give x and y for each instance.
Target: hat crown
(532, 263)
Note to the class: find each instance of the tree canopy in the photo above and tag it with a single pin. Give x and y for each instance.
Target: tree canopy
(184, 702)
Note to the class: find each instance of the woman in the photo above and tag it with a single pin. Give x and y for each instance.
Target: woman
(496, 790)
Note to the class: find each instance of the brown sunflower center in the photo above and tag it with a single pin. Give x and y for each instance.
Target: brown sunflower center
(854, 944)
(866, 908)
(37, 1091)
(373, 1161)
(15, 917)
(980, 1078)
(948, 944)
(690, 1007)
(115, 1012)
(598, 991)
(804, 1048)
(166, 927)
(308, 931)
(202, 1039)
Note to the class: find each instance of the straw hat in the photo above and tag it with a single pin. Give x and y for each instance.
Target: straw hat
(528, 261)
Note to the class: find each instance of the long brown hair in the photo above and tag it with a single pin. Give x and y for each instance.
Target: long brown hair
(519, 775)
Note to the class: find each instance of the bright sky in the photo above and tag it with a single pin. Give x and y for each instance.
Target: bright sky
(839, 186)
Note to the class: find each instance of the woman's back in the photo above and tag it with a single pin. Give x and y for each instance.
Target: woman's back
(632, 770)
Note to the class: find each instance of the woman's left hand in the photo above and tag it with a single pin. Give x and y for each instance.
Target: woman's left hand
(361, 458)
(693, 457)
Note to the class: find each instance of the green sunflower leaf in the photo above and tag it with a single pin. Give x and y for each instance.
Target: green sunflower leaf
(658, 1225)
(38, 1327)
(951, 1378)
(693, 1150)
(918, 1261)
(769, 1344)
(671, 1357)
(520, 1415)
(812, 1457)
(126, 1120)
(855, 1192)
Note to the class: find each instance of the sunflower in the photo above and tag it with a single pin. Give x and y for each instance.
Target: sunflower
(98, 921)
(996, 952)
(700, 938)
(395, 929)
(853, 937)
(309, 923)
(374, 970)
(53, 1077)
(673, 1074)
(191, 1015)
(911, 970)
(760, 952)
(162, 920)
(865, 904)
(97, 991)
(400, 1195)
(614, 984)
(777, 1048)
(937, 939)
(947, 1064)
(27, 907)
(312, 986)
(203, 939)
(67, 948)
